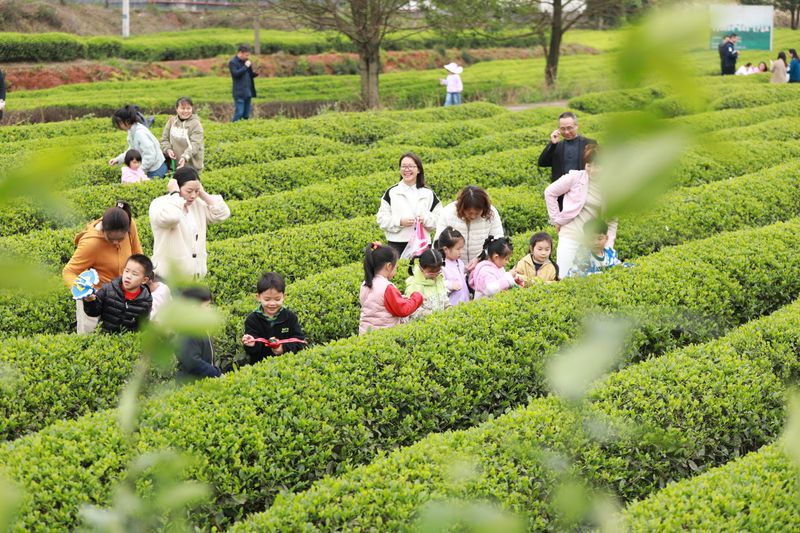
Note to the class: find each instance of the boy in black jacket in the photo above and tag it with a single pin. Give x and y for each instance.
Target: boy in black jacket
(123, 303)
(271, 322)
(196, 353)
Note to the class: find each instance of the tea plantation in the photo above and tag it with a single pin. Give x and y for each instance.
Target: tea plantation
(360, 433)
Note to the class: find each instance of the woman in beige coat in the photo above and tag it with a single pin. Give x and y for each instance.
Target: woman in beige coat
(182, 139)
(779, 69)
(179, 220)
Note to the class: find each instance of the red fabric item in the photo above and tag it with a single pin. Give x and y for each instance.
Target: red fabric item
(274, 343)
(132, 295)
(399, 305)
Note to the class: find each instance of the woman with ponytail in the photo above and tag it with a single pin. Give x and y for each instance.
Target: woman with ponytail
(104, 245)
(382, 305)
(141, 139)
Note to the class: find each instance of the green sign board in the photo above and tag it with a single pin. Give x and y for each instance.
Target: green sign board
(752, 24)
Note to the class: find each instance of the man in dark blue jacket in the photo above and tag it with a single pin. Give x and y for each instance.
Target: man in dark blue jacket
(244, 87)
(728, 55)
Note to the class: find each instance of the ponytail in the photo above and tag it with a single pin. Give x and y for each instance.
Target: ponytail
(448, 238)
(496, 246)
(375, 257)
(118, 218)
(128, 114)
(430, 258)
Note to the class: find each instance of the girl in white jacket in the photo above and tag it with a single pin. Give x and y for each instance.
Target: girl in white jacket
(179, 220)
(406, 202)
(474, 216)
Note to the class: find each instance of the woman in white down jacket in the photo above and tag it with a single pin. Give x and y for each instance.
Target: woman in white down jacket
(179, 220)
(405, 202)
(475, 217)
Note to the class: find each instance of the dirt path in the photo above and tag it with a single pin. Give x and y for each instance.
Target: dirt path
(523, 107)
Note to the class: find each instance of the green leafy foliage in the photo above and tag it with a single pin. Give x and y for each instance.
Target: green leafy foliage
(294, 419)
(668, 418)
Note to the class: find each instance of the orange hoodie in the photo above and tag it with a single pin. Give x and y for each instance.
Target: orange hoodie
(94, 251)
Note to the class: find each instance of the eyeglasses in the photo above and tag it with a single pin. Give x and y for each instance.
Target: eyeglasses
(408, 167)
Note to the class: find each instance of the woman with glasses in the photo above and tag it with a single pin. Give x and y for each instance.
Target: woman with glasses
(104, 245)
(406, 202)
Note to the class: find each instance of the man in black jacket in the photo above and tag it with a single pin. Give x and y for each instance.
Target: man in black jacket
(565, 150)
(729, 55)
(124, 302)
(244, 86)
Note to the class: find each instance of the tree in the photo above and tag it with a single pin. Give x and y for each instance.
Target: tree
(546, 19)
(790, 6)
(365, 22)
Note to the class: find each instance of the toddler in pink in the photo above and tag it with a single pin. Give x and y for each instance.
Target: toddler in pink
(451, 243)
(489, 276)
(132, 171)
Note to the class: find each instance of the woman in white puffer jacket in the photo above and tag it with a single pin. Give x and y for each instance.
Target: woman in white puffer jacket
(405, 202)
(475, 217)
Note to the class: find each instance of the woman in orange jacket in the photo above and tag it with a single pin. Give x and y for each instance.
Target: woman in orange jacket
(105, 245)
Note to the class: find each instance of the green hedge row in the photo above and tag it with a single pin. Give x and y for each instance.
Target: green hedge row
(756, 493)
(698, 165)
(712, 402)
(56, 377)
(356, 127)
(198, 44)
(291, 420)
(618, 100)
(400, 89)
(734, 96)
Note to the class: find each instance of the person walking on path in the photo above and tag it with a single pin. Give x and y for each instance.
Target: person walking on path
(454, 84)
(565, 150)
(244, 86)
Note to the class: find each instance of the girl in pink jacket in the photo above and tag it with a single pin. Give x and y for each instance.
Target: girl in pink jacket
(382, 305)
(489, 276)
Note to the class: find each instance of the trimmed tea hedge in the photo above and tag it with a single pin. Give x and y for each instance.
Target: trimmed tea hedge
(62, 377)
(389, 389)
(756, 493)
(210, 42)
(714, 402)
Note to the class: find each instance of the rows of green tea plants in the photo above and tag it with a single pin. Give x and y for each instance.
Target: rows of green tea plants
(756, 493)
(492, 81)
(295, 419)
(692, 212)
(712, 402)
(197, 44)
(455, 386)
